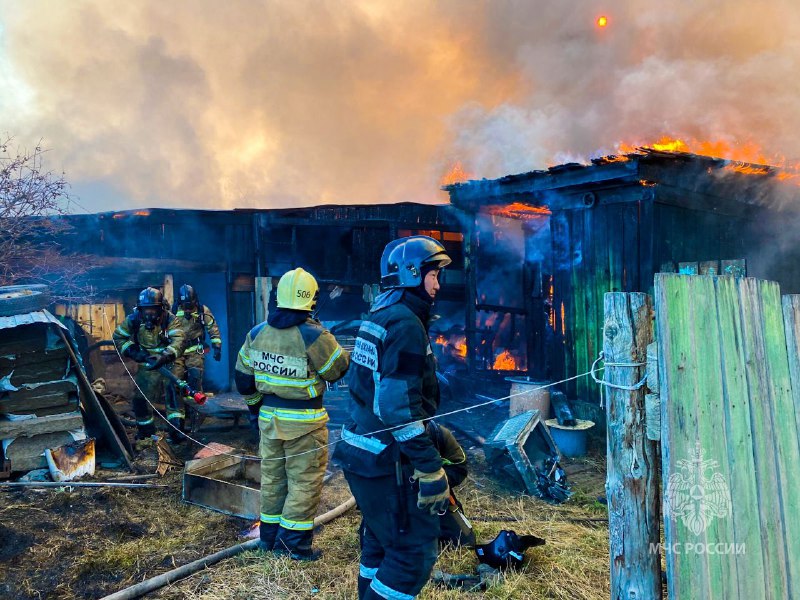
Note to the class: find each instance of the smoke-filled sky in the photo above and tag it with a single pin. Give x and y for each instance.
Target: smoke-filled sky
(299, 102)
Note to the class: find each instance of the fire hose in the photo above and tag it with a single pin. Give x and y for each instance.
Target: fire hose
(159, 581)
(185, 389)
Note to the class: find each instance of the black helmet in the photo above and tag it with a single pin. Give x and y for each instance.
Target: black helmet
(151, 307)
(150, 297)
(187, 295)
(507, 550)
(402, 260)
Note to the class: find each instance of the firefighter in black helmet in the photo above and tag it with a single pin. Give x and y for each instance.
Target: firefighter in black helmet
(152, 336)
(196, 320)
(397, 476)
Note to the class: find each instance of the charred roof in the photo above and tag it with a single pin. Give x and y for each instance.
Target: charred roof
(702, 182)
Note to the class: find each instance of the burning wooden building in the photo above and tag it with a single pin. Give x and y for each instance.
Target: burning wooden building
(234, 259)
(543, 247)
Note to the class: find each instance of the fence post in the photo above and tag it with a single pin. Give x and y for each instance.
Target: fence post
(632, 482)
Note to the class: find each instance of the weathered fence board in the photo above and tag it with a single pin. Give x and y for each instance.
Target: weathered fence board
(729, 439)
(632, 485)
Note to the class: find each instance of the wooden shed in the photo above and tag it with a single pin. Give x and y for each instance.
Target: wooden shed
(611, 226)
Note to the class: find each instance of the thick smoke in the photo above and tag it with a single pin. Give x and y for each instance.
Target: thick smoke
(268, 104)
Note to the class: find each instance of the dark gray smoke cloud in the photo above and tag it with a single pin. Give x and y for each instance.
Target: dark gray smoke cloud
(265, 104)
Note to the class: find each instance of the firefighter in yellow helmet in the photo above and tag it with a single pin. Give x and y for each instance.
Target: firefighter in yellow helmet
(282, 370)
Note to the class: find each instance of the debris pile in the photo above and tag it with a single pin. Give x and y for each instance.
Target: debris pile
(39, 402)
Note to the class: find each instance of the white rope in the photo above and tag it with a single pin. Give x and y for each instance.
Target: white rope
(601, 382)
(249, 457)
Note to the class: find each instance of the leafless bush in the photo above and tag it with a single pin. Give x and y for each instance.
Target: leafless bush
(33, 201)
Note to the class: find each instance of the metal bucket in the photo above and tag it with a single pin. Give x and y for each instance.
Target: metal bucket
(527, 394)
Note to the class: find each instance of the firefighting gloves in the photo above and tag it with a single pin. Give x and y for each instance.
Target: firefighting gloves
(136, 353)
(254, 407)
(434, 492)
(217, 353)
(163, 359)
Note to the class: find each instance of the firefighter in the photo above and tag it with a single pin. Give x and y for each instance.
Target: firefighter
(196, 320)
(397, 476)
(282, 370)
(152, 336)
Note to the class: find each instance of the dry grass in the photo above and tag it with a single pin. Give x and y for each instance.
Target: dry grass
(573, 564)
(69, 545)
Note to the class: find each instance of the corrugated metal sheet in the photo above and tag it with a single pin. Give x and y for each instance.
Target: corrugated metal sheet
(37, 316)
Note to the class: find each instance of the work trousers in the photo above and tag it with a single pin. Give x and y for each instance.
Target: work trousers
(157, 389)
(190, 367)
(291, 486)
(398, 540)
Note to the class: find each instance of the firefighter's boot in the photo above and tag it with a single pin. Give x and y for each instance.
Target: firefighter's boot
(267, 533)
(176, 429)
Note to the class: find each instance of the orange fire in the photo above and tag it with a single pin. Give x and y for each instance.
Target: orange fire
(519, 210)
(504, 362)
(602, 21)
(748, 152)
(455, 345)
(456, 174)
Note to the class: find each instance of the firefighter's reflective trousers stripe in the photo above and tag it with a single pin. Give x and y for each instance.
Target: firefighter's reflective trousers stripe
(190, 367)
(291, 487)
(158, 390)
(397, 561)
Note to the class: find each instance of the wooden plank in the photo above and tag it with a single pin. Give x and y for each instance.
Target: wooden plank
(556, 348)
(677, 373)
(27, 453)
(784, 379)
(709, 267)
(169, 289)
(708, 451)
(54, 393)
(263, 291)
(576, 326)
(688, 268)
(737, 268)
(632, 483)
(652, 410)
(764, 428)
(40, 425)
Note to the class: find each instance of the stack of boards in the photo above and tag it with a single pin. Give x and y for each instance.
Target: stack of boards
(39, 403)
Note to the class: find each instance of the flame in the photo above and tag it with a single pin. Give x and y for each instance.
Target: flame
(748, 169)
(456, 174)
(519, 210)
(602, 21)
(746, 152)
(454, 345)
(504, 362)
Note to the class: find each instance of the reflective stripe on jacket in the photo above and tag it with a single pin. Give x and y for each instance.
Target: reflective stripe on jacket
(153, 341)
(292, 363)
(195, 329)
(393, 379)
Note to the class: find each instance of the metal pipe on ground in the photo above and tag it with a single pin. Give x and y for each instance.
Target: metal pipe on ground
(159, 581)
(77, 484)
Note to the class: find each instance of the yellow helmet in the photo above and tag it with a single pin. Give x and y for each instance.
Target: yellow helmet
(297, 290)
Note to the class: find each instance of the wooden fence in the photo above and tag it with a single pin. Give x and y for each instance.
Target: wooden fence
(729, 386)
